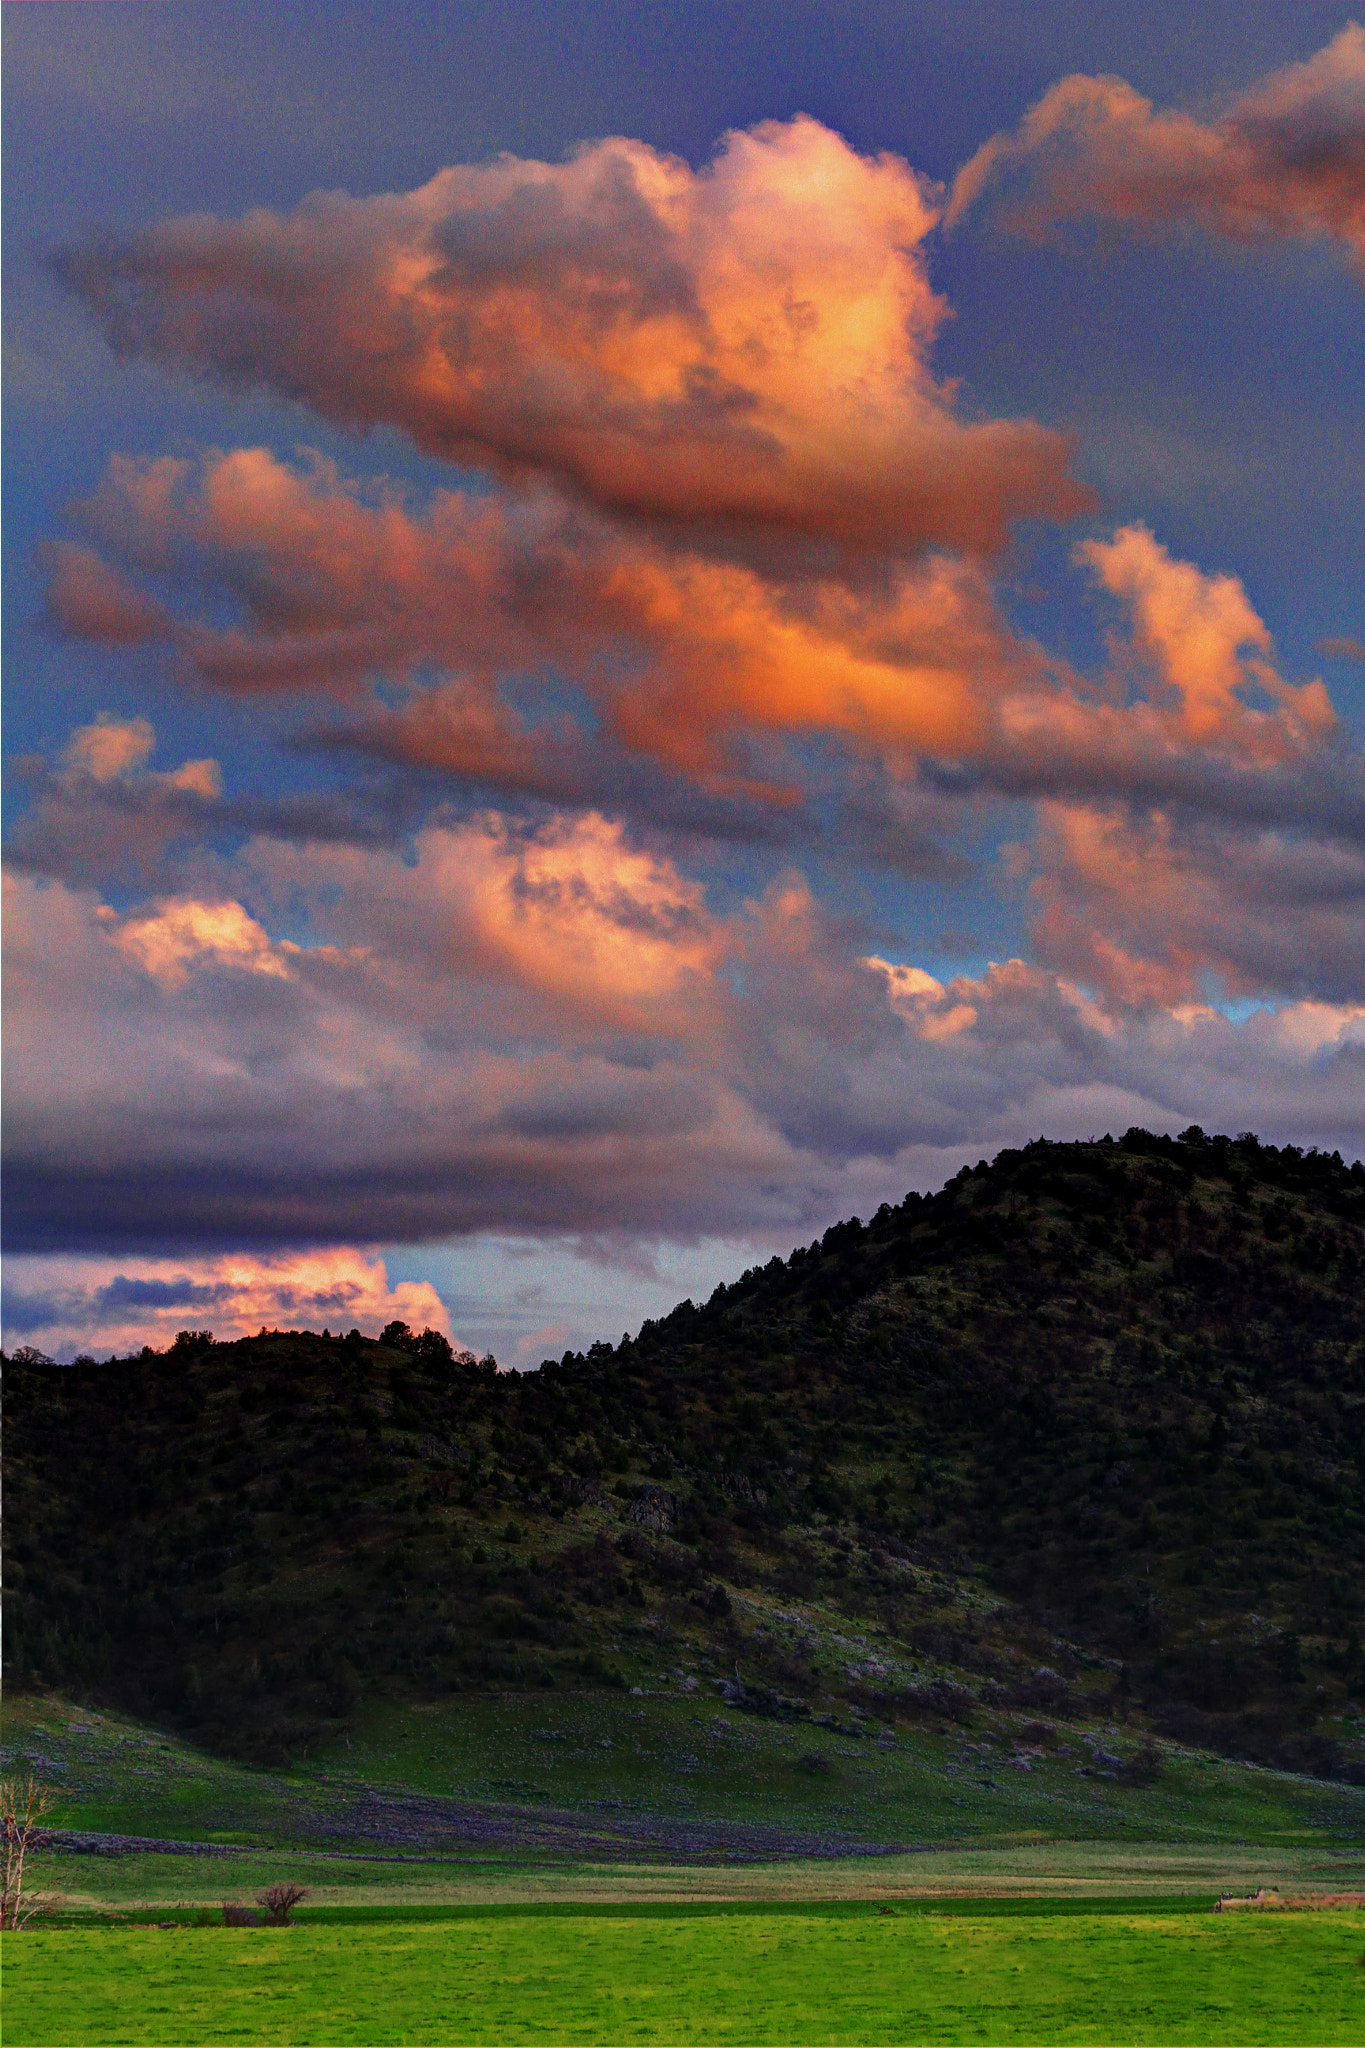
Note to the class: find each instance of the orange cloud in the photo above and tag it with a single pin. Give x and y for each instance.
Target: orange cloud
(71, 1303)
(574, 918)
(742, 348)
(512, 933)
(926, 1004)
(1192, 632)
(685, 657)
(1283, 160)
(680, 651)
(911, 666)
(180, 935)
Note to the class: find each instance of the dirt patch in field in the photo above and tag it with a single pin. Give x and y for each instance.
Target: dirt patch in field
(1271, 1901)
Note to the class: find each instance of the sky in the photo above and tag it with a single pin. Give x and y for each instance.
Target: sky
(631, 630)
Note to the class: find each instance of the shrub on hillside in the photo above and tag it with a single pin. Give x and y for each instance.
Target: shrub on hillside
(1144, 1767)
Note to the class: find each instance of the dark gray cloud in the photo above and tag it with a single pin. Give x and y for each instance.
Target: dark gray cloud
(121, 1292)
(25, 1310)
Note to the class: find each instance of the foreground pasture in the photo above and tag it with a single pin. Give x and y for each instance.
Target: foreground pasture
(846, 1973)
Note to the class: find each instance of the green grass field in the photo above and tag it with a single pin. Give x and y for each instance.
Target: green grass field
(750, 1974)
(1040, 1906)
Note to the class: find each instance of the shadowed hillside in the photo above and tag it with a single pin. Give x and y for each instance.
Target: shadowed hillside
(1084, 1433)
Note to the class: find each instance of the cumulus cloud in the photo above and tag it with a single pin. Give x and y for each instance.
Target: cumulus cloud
(66, 1303)
(116, 751)
(680, 653)
(571, 921)
(730, 574)
(102, 813)
(1284, 160)
(1191, 759)
(174, 938)
(741, 349)
(923, 1000)
(88, 600)
(110, 749)
(553, 1034)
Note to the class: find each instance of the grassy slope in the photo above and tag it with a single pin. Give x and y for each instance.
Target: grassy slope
(744, 1977)
(1044, 1829)
(1083, 1434)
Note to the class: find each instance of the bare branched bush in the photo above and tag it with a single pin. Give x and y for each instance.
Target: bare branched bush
(24, 1803)
(279, 1901)
(240, 1916)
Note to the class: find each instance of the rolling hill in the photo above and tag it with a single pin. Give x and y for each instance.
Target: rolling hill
(1083, 1434)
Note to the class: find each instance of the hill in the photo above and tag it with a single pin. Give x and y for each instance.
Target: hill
(1083, 1433)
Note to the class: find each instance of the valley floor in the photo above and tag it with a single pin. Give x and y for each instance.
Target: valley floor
(750, 1974)
(501, 1870)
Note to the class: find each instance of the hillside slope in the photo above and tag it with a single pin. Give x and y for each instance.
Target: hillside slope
(1083, 1432)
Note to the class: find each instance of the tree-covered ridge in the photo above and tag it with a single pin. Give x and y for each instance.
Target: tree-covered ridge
(1086, 1427)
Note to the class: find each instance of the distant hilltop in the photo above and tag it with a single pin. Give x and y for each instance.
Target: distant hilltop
(1081, 1434)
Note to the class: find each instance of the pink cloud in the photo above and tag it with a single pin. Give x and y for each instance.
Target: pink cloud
(1154, 912)
(113, 753)
(110, 749)
(88, 600)
(1284, 160)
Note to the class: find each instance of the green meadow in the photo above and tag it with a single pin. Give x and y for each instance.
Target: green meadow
(1033, 1905)
(757, 1973)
